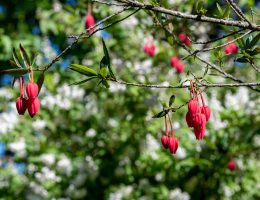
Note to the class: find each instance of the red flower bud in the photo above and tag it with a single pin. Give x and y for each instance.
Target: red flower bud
(199, 120)
(173, 144)
(189, 120)
(150, 49)
(193, 107)
(206, 111)
(32, 90)
(33, 106)
(174, 61)
(21, 105)
(231, 165)
(231, 48)
(180, 68)
(199, 132)
(164, 141)
(184, 39)
(89, 22)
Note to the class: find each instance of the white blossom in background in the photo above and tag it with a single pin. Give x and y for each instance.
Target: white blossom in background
(113, 122)
(46, 174)
(238, 100)
(64, 166)
(18, 147)
(176, 125)
(5, 93)
(151, 146)
(144, 67)
(8, 119)
(57, 6)
(121, 193)
(38, 124)
(130, 22)
(37, 192)
(91, 163)
(177, 194)
(47, 49)
(32, 168)
(115, 87)
(181, 153)
(48, 159)
(159, 177)
(91, 133)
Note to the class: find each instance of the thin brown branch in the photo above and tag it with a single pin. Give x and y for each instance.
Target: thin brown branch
(178, 14)
(57, 58)
(238, 11)
(219, 38)
(217, 47)
(184, 86)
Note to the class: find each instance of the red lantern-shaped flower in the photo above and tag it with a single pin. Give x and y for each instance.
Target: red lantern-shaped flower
(89, 22)
(32, 90)
(206, 111)
(33, 106)
(21, 105)
(231, 165)
(164, 141)
(193, 107)
(173, 144)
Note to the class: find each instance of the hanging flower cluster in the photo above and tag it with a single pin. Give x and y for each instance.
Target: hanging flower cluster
(197, 114)
(184, 39)
(169, 141)
(231, 48)
(177, 64)
(31, 102)
(231, 165)
(150, 47)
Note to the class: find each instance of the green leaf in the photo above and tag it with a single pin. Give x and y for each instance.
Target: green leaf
(161, 114)
(219, 9)
(83, 70)
(84, 81)
(16, 59)
(106, 60)
(242, 60)
(14, 80)
(205, 72)
(255, 40)
(226, 12)
(25, 56)
(40, 81)
(14, 72)
(103, 72)
(171, 100)
(105, 83)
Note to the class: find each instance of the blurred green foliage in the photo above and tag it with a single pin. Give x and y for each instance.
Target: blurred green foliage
(90, 142)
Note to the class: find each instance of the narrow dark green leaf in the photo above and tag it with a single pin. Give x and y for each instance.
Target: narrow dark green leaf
(205, 72)
(13, 82)
(14, 72)
(40, 81)
(161, 114)
(242, 60)
(83, 70)
(25, 56)
(13, 64)
(171, 100)
(16, 59)
(219, 9)
(105, 83)
(226, 12)
(255, 40)
(107, 59)
(84, 81)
